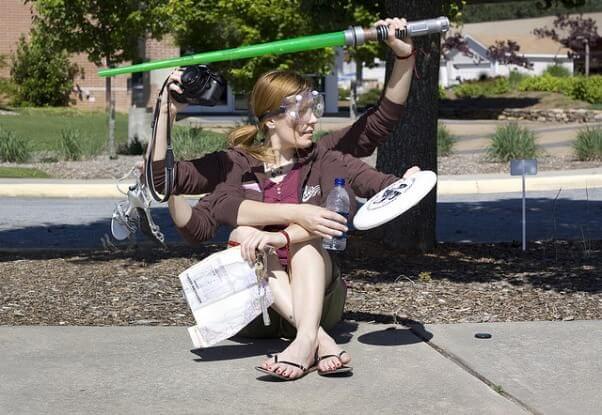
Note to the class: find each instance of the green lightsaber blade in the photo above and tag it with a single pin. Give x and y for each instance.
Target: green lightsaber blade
(278, 47)
(353, 36)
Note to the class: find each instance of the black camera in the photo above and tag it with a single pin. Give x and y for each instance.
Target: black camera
(200, 86)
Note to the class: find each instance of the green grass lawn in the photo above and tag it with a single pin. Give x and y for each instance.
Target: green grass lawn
(42, 126)
(22, 172)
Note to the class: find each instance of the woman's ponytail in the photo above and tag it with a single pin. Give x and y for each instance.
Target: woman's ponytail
(245, 138)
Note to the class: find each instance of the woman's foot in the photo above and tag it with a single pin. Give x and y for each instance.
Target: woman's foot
(301, 351)
(327, 346)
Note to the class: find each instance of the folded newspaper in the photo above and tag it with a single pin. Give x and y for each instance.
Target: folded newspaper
(225, 293)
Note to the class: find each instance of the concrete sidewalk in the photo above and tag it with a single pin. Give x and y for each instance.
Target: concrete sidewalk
(447, 185)
(540, 367)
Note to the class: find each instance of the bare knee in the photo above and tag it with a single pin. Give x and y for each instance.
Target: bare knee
(311, 253)
(313, 245)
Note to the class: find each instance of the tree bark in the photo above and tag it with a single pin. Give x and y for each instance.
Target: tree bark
(110, 110)
(414, 141)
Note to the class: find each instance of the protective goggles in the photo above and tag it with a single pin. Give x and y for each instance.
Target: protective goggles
(300, 107)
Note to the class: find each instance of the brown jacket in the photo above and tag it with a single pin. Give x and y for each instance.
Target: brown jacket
(319, 168)
(204, 174)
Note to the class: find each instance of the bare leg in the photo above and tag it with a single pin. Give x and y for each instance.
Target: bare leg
(282, 290)
(310, 275)
(283, 305)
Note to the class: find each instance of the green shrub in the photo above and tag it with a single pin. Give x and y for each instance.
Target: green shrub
(369, 98)
(589, 144)
(545, 83)
(515, 78)
(191, 142)
(578, 87)
(70, 146)
(498, 87)
(469, 90)
(344, 94)
(445, 141)
(511, 141)
(484, 88)
(74, 145)
(442, 93)
(42, 75)
(7, 90)
(587, 89)
(557, 70)
(12, 148)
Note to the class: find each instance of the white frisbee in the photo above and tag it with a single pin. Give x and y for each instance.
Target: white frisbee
(394, 200)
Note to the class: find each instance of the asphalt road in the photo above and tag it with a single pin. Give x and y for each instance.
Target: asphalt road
(82, 223)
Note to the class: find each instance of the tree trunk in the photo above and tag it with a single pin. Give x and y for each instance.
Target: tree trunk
(110, 110)
(414, 141)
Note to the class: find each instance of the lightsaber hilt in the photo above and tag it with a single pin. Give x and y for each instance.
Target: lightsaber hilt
(357, 36)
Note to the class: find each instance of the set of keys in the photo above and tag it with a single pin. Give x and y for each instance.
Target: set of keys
(261, 271)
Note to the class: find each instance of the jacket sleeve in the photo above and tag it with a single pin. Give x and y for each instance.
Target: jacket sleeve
(201, 226)
(369, 131)
(196, 176)
(364, 179)
(225, 201)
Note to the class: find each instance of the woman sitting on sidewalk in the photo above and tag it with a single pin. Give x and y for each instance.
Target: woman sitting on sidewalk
(286, 167)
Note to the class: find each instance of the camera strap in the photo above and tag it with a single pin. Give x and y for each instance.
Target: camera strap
(169, 154)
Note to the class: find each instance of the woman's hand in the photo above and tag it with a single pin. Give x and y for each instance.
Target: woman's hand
(412, 170)
(399, 47)
(260, 240)
(319, 221)
(175, 106)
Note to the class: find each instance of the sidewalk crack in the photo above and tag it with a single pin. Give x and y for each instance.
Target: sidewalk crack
(418, 331)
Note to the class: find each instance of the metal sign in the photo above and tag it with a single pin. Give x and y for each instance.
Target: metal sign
(523, 168)
(520, 167)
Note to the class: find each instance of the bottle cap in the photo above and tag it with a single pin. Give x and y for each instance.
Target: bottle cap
(339, 181)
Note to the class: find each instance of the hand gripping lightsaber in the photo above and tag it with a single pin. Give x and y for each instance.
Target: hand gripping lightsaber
(354, 36)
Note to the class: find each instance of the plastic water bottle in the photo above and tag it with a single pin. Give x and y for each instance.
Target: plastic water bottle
(337, 201)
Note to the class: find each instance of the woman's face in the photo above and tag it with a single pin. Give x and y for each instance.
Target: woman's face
(297, 131)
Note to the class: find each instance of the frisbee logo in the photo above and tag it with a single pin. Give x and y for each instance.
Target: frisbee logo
(390, 194)
(309, 192)
(394, 200)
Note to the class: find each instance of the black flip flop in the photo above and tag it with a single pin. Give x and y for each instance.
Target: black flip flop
(279, 376)
(338, 371)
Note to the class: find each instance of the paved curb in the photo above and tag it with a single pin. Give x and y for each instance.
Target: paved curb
(448, 185)
(497, 183)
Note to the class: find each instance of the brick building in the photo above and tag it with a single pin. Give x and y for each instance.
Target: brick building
(89, 90)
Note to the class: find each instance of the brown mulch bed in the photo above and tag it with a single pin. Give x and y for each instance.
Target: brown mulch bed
(455, 164)
(554, 280)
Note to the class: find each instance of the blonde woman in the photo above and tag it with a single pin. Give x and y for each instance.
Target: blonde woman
(276, 163)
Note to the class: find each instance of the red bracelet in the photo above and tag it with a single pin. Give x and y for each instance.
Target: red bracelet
(288, 238)
(406, 57)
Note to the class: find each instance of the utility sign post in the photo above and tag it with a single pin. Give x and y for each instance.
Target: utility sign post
(523, 168)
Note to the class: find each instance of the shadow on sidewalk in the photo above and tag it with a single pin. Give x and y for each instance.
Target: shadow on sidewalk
(250, 347)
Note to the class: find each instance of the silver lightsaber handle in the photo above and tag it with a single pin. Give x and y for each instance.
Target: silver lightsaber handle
(356, 36)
